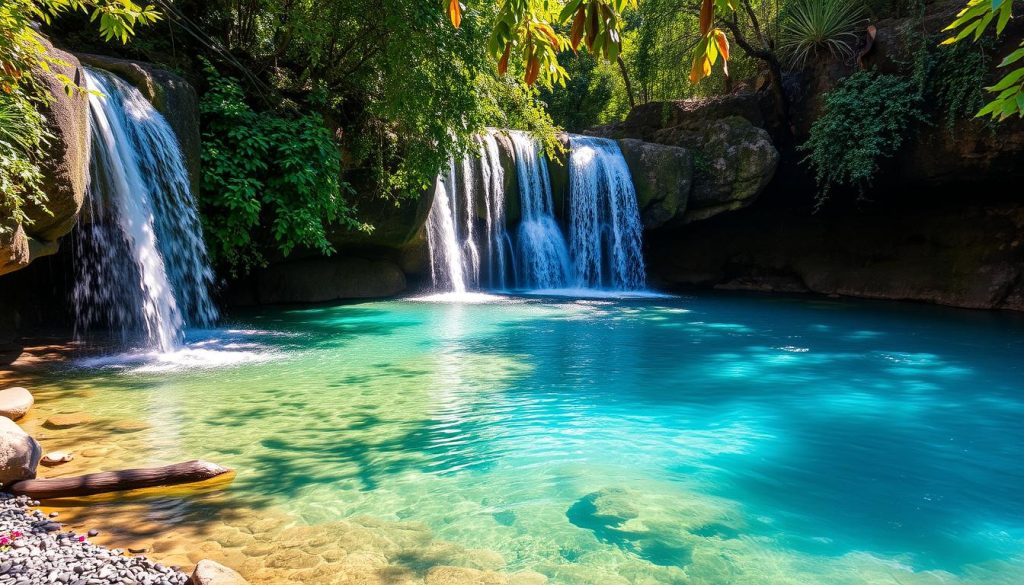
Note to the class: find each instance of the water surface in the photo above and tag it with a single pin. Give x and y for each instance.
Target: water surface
(711, 440)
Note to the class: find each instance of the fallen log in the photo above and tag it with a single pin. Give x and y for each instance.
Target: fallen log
(120, 481)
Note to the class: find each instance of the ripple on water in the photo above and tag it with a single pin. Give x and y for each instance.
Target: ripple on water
(702, 441)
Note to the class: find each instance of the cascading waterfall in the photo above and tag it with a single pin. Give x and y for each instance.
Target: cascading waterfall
(463, 253)
(604, 220)
(141, 261)
(543, 256)
(473, 247)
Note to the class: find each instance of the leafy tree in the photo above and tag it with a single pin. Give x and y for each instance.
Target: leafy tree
(529, 30)
(22, 136)
(585, 96)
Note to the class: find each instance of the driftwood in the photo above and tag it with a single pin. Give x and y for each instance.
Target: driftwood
(119, 481)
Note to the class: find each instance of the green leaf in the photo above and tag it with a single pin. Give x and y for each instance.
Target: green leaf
(1013, 57)
(1011, 79)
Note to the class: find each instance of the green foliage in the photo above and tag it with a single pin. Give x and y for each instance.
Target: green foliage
(266, 176)
(865, 121)
(22, 49)
(528, 29)
(972, 22)
(506, 103)
(811, 27)
(586, 95)
(23, 53)
(22, 136)
(951, 79)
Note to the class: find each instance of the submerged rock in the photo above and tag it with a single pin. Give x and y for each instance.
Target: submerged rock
(15, 402)
(19, 453)
(463, 576)
(66, 421)
(212, 573)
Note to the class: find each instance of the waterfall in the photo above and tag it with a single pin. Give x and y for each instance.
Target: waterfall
(446, 267)
(543, 254)
(472, 245)
(465, 254)
(604, 220)
(141, 261)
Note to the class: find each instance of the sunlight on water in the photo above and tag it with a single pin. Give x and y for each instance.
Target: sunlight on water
(711, 441)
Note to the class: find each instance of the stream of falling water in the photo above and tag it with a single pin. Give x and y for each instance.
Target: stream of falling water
(141, 262)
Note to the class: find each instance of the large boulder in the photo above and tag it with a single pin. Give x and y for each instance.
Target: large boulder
(19, 453)
(212, 573)
(735, 161)
(646, 121)
(15, 402)
(171, 95)
(662, 177)
(65, 169)
(317, 280)
(733, 156)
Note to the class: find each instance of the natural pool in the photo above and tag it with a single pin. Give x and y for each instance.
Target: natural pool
(702, 440)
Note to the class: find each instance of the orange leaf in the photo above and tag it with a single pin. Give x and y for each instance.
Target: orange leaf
(723, 44)
(701, 68)
(695, 71)
(592, 26)
(455, 12)
(547, 30)
(503, 63)
(707, 16)
(576, 34)
(532, 70)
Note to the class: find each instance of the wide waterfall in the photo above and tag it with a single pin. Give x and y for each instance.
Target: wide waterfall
(141, 262)
(474, 246)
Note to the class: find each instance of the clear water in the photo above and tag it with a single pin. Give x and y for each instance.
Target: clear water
(713, 440)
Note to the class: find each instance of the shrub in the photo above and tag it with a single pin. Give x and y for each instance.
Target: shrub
(865, 121)
(809, 27)
(22, 137)
(270, 180)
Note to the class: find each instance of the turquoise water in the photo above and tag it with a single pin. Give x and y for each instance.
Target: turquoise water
(711, 440)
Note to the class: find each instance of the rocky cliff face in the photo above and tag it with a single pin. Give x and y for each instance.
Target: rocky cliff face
(732, 158)
(65, 169)
(932, 227)
(965, 256)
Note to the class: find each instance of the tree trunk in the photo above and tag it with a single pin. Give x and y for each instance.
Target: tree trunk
(119, 481)
(625, 78)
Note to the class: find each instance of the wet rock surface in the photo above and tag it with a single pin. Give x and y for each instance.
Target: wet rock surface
(41, 552)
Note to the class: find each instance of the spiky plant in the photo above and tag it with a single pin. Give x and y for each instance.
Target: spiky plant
(813, 27)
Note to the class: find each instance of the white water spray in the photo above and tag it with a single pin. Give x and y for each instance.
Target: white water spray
(142, 262)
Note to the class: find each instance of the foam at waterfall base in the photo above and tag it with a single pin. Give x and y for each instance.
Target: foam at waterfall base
(520, 296)
(212, 348)
(596, 293)
(469, 298)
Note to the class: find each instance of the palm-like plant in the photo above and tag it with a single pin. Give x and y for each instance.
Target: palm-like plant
(811, 27)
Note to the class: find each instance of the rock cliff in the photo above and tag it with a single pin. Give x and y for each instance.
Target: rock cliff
(65, 169)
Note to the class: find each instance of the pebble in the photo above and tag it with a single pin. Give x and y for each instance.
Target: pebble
(44, 554)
